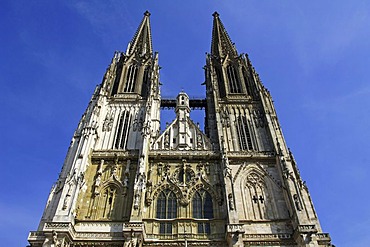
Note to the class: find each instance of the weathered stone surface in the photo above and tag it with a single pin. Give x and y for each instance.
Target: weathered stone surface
(126, 183)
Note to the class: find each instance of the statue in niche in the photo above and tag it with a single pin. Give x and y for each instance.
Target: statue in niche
(231, 202)
(199, 140)
(297, 202)
(136, 200)
(67, 198)
(97, 184)
(227, 169)
(166, 140)
(225, 118)
(148, 200)
(258, 118)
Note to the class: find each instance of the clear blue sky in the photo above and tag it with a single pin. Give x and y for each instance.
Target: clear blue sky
(313, 56)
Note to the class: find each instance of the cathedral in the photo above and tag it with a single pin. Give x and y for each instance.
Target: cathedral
(125, 182)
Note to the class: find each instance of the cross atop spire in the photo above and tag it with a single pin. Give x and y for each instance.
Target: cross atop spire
(142, 40)
(221, 42)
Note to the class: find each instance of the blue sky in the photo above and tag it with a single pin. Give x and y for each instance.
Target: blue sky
(314, 57)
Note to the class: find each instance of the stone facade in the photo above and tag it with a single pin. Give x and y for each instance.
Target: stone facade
(126, 183)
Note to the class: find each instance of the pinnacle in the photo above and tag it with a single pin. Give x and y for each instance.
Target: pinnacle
(215, 14)
(147, 13)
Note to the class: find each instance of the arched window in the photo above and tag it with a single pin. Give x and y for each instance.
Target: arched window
(245, 140)
(247, 82)
(122, 131)
(234, 82)
(203, 209)
(117, 78)
(131, 79)
(145, 86)
(256, 189)
(166, 209)
(220, 80)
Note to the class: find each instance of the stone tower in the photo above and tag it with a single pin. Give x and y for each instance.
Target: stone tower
(125, 182)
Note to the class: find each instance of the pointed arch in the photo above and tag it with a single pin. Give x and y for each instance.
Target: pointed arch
(257, 195)
(233, 79)
(220, 81)
(244, 134)
(166, 209)
(109, 202)
(146, 82)
(131, 78)
(117, 79)
(202, 208)
(123, 127)
(247, 81)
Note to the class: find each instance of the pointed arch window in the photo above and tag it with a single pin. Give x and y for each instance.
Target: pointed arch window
(203, 209)
(256, 189)
(245, 140)
(145, 86)
(166, 209)
(122, 131)
(220, 80)
(117, 77)
(131, 79)
(234, 82)
(246, 81)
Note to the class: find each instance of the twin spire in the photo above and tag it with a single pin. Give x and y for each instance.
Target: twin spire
(221, 44)
(142, 40)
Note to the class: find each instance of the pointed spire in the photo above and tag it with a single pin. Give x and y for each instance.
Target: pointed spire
(221, 42)
(142, 40)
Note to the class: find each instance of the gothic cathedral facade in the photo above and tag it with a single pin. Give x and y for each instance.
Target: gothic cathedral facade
(125, 182)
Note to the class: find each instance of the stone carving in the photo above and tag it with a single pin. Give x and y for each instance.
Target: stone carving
(166, 140)
(108, 122)
(148, 199)
(297, 202)
(199, 140)
(259, 119)
(225, 118)
(231, 202)
(67, 198)
(227, 169)
(98, 177)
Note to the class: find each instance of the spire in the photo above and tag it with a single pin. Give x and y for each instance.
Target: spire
(142, 40)
(221, 42)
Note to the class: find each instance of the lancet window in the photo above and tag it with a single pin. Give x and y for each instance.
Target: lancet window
(131, 79)
(145, 87)
(122, 130)
(117, 78)
(109, 201)
(245, 140)
(256, 189)
(220, 80)
(234, 82)
(166, 209)
(246, 81)
(203, 209)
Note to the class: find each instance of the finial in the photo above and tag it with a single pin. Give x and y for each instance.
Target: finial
(215, 14)
(147, 13)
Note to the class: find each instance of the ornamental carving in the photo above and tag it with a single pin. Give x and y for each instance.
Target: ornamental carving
(259, 119)
(108, 122)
